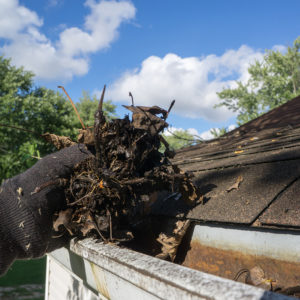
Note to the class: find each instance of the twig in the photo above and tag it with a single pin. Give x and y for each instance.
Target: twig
(182, 138)
(20, 128)
(110, 226)
(132, 102)
(98, 230)
(240, 272)
(98, 124)
(171, 105)
(76, 111)
(101, 99)
(59, 182)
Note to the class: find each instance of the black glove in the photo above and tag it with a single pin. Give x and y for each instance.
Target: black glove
(26, 218)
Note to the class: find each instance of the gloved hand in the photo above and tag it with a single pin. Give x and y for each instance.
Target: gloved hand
(26, 218)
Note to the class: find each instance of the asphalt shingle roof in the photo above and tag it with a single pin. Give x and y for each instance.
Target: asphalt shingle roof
(265, 153)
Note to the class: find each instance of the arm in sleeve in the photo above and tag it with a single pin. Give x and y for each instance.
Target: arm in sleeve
(26, 218)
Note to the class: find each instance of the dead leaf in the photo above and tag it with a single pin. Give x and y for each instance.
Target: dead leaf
(64, 218)
(86, 136)
(145, 118)
(59, 142)
(258, 278)
(257, 275)
(170, 244)
(87, 227)
(238, 151)
(152, 198)
(236, 185)
(181, 227)
(102, 222)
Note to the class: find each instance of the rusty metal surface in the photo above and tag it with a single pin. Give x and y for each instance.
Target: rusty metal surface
(224, 251)
(100, 280)
(285, 210)
(227, 264)
(261, 184)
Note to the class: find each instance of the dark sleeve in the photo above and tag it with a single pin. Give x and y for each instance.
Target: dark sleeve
(26, 218)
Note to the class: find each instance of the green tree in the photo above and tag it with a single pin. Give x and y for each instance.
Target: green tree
(217, 132)
(180, 139)
(273, 81)
(36, 109)
(87, 106)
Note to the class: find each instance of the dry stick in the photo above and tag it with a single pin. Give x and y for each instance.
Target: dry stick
(171, 105)
(163, 140)
(240, 272)
(102, 98)
(61, 182)
(76, 111)
(110, 226)
(99, 118)
(132, 102)
(80, 199)
(101, 235)
(185, 139)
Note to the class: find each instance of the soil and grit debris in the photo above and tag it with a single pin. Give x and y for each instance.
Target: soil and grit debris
(114, 189)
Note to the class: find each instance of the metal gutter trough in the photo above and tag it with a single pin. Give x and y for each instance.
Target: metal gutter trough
(94, 270)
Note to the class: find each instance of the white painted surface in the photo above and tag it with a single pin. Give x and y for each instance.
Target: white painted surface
(281, 245)
(61, 284)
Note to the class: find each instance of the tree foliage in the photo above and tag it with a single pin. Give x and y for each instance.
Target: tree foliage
(35, 109)
(217, 132)
(87, 106)
(180, 139)
(272, 82)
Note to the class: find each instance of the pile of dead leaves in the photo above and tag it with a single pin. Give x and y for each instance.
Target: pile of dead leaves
(112, 190)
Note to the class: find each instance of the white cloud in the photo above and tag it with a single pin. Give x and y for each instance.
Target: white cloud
(27, 46)
(53, 3)
(172, 129)
(14, 18)
(192, 81)
(205, 135)
(279, 48)
(231, 127)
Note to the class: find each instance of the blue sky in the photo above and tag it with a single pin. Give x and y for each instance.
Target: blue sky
(159, 50)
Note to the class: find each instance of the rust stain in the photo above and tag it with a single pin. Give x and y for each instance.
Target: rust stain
(100, 281)
(227, 264)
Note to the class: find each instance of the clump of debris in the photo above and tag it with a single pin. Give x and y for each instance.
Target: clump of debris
(114, 189)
